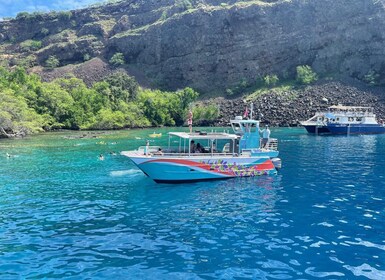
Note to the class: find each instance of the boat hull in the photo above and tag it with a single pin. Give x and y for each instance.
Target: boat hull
(356, 129)
(163, 169)
(316, 129)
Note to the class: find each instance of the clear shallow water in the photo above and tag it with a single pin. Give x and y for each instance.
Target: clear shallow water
(66, 214)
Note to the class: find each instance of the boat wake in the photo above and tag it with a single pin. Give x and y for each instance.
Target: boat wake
(119, 173)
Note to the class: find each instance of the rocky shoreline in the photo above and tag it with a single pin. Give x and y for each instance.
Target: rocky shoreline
(288, 108)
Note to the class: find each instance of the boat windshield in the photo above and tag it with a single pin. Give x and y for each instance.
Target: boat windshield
(244, 126)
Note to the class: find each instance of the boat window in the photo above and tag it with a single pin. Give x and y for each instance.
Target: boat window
(253, 127)
(338, 119)
(358, 119)
(236, 127)
(250, 127)
(246, 127)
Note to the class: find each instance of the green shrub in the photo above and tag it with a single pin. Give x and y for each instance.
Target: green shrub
(65, 15)
(30, 45)
(52, 62)
(243, 84)
(371, 78)
(44, 31)
(305, 75)
(163, 16)
(271, 80)
(205, 113)
(27, 62)
(229, 92)
(52, 14)
(86, 57)
(117, 59)
(22, 15)
(184, 4)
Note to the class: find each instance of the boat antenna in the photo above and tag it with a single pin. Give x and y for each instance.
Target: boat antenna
(251, 111)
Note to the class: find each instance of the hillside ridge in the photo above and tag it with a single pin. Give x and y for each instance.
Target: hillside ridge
(208, 45)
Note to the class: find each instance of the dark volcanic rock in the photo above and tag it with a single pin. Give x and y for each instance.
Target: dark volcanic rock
(290, 107)
(216, 47)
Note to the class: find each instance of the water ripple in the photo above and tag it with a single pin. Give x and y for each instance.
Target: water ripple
(64, 214)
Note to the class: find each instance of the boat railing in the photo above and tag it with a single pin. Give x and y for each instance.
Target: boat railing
(151, 149)
(196, 154)
(272, 144)
(343, 113)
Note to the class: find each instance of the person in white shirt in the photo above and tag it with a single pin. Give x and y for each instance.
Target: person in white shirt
(265, 136)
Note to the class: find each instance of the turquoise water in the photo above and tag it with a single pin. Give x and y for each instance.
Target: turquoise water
(66, 214)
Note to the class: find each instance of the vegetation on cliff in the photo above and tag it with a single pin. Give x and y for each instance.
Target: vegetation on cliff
(28, 105)
(214, 46)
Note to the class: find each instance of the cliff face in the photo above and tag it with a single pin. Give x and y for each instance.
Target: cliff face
(210, 45)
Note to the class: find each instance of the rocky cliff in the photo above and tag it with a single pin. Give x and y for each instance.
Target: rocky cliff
(205, 44)
(289, 107)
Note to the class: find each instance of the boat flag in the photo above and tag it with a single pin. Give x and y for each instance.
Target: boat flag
(246, 113)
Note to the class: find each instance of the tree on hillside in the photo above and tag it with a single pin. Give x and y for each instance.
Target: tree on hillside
(57, 102)
(184, 98)
(52, 62)
(117, 59)
(306, 75)
(122, 87)
(271, 80)
(16, 119)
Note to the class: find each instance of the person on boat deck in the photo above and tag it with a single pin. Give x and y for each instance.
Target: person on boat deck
(200, 149)
(192, 147)
(190, 119)
(159, 152)
(147, 148)
(265, 136)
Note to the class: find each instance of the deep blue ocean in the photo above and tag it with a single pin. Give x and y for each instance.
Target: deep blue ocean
(66, 214)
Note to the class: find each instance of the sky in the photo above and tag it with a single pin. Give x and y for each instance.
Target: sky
(10, 8)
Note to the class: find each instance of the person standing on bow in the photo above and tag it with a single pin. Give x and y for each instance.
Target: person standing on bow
(147, 148)
(190, 119)
(265, 136)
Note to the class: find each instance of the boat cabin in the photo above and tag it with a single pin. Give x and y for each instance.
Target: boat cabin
(350, 115)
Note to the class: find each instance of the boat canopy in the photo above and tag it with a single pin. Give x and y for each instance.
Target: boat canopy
(350, 108)
(204, 136)
(211, 137)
